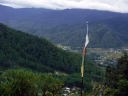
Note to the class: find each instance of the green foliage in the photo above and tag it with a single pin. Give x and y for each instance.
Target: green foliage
(48, 84)
(17, 83)
(123, 66)
(122, 89)
(19, 49)
(26, 83)
(117, 78)
(92, 74)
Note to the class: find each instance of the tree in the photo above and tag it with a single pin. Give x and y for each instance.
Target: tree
(21, 82)
(18, 83)
(122, 67)
(49, 85)
(117, 79)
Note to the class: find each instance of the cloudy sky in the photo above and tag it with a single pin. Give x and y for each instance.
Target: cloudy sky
(110, 5)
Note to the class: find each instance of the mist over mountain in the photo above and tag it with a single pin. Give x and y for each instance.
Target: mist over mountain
(68, 27)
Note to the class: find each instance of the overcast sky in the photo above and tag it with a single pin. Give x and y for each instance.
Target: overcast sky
(110, 5)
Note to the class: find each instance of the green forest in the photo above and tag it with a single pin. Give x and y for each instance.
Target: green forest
(33, 66)
(117, 78)
(18, 49)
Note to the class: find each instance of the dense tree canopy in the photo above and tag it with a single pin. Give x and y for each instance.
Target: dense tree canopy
(22, 82)
(117, 78)
(18, 49)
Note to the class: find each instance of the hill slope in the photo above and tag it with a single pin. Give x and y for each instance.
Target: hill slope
(18, 49)
(67, 27)
(102, 34)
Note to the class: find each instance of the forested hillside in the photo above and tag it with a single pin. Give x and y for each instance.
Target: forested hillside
(39, 52)
(18, 49)
(101, 35)
(68, 27)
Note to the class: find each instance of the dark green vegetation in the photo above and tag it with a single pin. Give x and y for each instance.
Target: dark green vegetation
(21, 50)
(22, 82)
(101, 35)
(92, 74)
(68, 27)
(117, 78)
(18, 49)
(26, 83)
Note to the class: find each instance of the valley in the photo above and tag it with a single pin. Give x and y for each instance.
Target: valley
(41, 52)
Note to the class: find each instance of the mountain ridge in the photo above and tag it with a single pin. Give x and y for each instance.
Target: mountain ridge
(58, 25)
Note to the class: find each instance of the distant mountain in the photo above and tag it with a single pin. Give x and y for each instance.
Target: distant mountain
(21, 50)
(67, 27)
(103, 34)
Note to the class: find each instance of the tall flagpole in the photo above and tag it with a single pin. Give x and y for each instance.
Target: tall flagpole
(83, 57)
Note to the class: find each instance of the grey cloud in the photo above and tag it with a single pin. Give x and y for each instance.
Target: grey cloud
(110, 5)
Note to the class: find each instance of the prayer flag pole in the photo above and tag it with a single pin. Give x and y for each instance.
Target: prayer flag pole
(83, 57)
